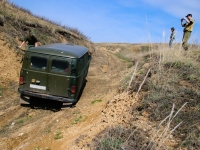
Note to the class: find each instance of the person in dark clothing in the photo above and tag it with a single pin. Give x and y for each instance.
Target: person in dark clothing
(31, 39)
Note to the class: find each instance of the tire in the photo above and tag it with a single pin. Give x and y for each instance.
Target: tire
(58, 105)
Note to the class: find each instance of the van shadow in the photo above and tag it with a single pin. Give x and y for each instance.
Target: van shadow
(39, 103)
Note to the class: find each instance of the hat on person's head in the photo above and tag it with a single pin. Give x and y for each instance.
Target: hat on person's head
(189, 15)
(172, 28)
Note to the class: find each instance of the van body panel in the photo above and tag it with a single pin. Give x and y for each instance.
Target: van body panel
(59, 76)
(36, 72)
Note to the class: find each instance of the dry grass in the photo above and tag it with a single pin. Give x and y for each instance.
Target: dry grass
(167, 83)
(175, 80)
(46, 20)
(16, 21)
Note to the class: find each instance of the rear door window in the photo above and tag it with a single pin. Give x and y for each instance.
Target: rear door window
(60, 66)
(39, 63)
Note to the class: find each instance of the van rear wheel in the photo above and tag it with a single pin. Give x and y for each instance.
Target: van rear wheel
(34, 102)
(58, 105)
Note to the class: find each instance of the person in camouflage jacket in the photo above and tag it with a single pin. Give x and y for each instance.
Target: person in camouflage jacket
(188, 27)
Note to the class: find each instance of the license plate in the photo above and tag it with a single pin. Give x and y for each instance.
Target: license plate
(37, 87)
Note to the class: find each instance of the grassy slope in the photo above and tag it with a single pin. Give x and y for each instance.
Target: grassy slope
(172, 84)
(14, 24)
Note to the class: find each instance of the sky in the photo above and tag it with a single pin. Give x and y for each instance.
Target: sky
(120, 21)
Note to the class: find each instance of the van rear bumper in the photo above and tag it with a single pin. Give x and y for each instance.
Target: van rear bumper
(46, 96)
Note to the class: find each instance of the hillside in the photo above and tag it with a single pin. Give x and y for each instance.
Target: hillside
(159, 109)
(15, 22)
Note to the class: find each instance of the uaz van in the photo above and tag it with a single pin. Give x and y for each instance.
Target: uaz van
(54, 72)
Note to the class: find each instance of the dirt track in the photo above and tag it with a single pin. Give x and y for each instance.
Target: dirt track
(24, 128)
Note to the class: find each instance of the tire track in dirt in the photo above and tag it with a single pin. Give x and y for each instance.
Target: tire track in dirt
(6, 117)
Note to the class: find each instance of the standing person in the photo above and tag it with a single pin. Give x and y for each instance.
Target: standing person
(31, 39)
(188, 27)
(172, 37)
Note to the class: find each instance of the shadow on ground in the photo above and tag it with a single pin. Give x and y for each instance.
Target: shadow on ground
(39, 103)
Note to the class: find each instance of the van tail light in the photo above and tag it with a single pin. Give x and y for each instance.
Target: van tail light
(73, 89)
(21, 80)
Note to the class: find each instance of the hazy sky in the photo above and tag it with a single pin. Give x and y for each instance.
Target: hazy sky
(123, 21)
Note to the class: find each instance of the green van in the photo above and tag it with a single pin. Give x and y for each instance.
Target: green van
(54, 72)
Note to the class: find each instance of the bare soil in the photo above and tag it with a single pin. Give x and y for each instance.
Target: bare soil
(24, 128)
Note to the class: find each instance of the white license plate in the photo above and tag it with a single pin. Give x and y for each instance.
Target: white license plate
(37, 87)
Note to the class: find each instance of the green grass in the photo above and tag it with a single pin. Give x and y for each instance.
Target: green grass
(58, 135)
(2, 88)
(122, 57)
(78, 119)
(96, 101)
(37, 148)
(21, 120)
(130, 65)
(28, 117)
(75, 113)
(111, 143)
(48, 131)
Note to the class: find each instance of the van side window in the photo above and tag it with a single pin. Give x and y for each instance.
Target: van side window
(38, 63)
(59, 66)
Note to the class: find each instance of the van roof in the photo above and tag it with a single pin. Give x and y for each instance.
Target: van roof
(60, 49)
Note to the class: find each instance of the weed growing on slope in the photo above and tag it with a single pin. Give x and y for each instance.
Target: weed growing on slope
(96, 101)
(58, 135)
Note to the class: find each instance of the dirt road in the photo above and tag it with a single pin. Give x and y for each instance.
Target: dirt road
(24, 128)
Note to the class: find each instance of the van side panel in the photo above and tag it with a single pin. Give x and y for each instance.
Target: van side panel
(82, 66)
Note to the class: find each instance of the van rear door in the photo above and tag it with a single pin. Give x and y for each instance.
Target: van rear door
(37, 73)
(59, 76)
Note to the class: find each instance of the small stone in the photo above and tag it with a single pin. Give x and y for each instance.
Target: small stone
(21, 134)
